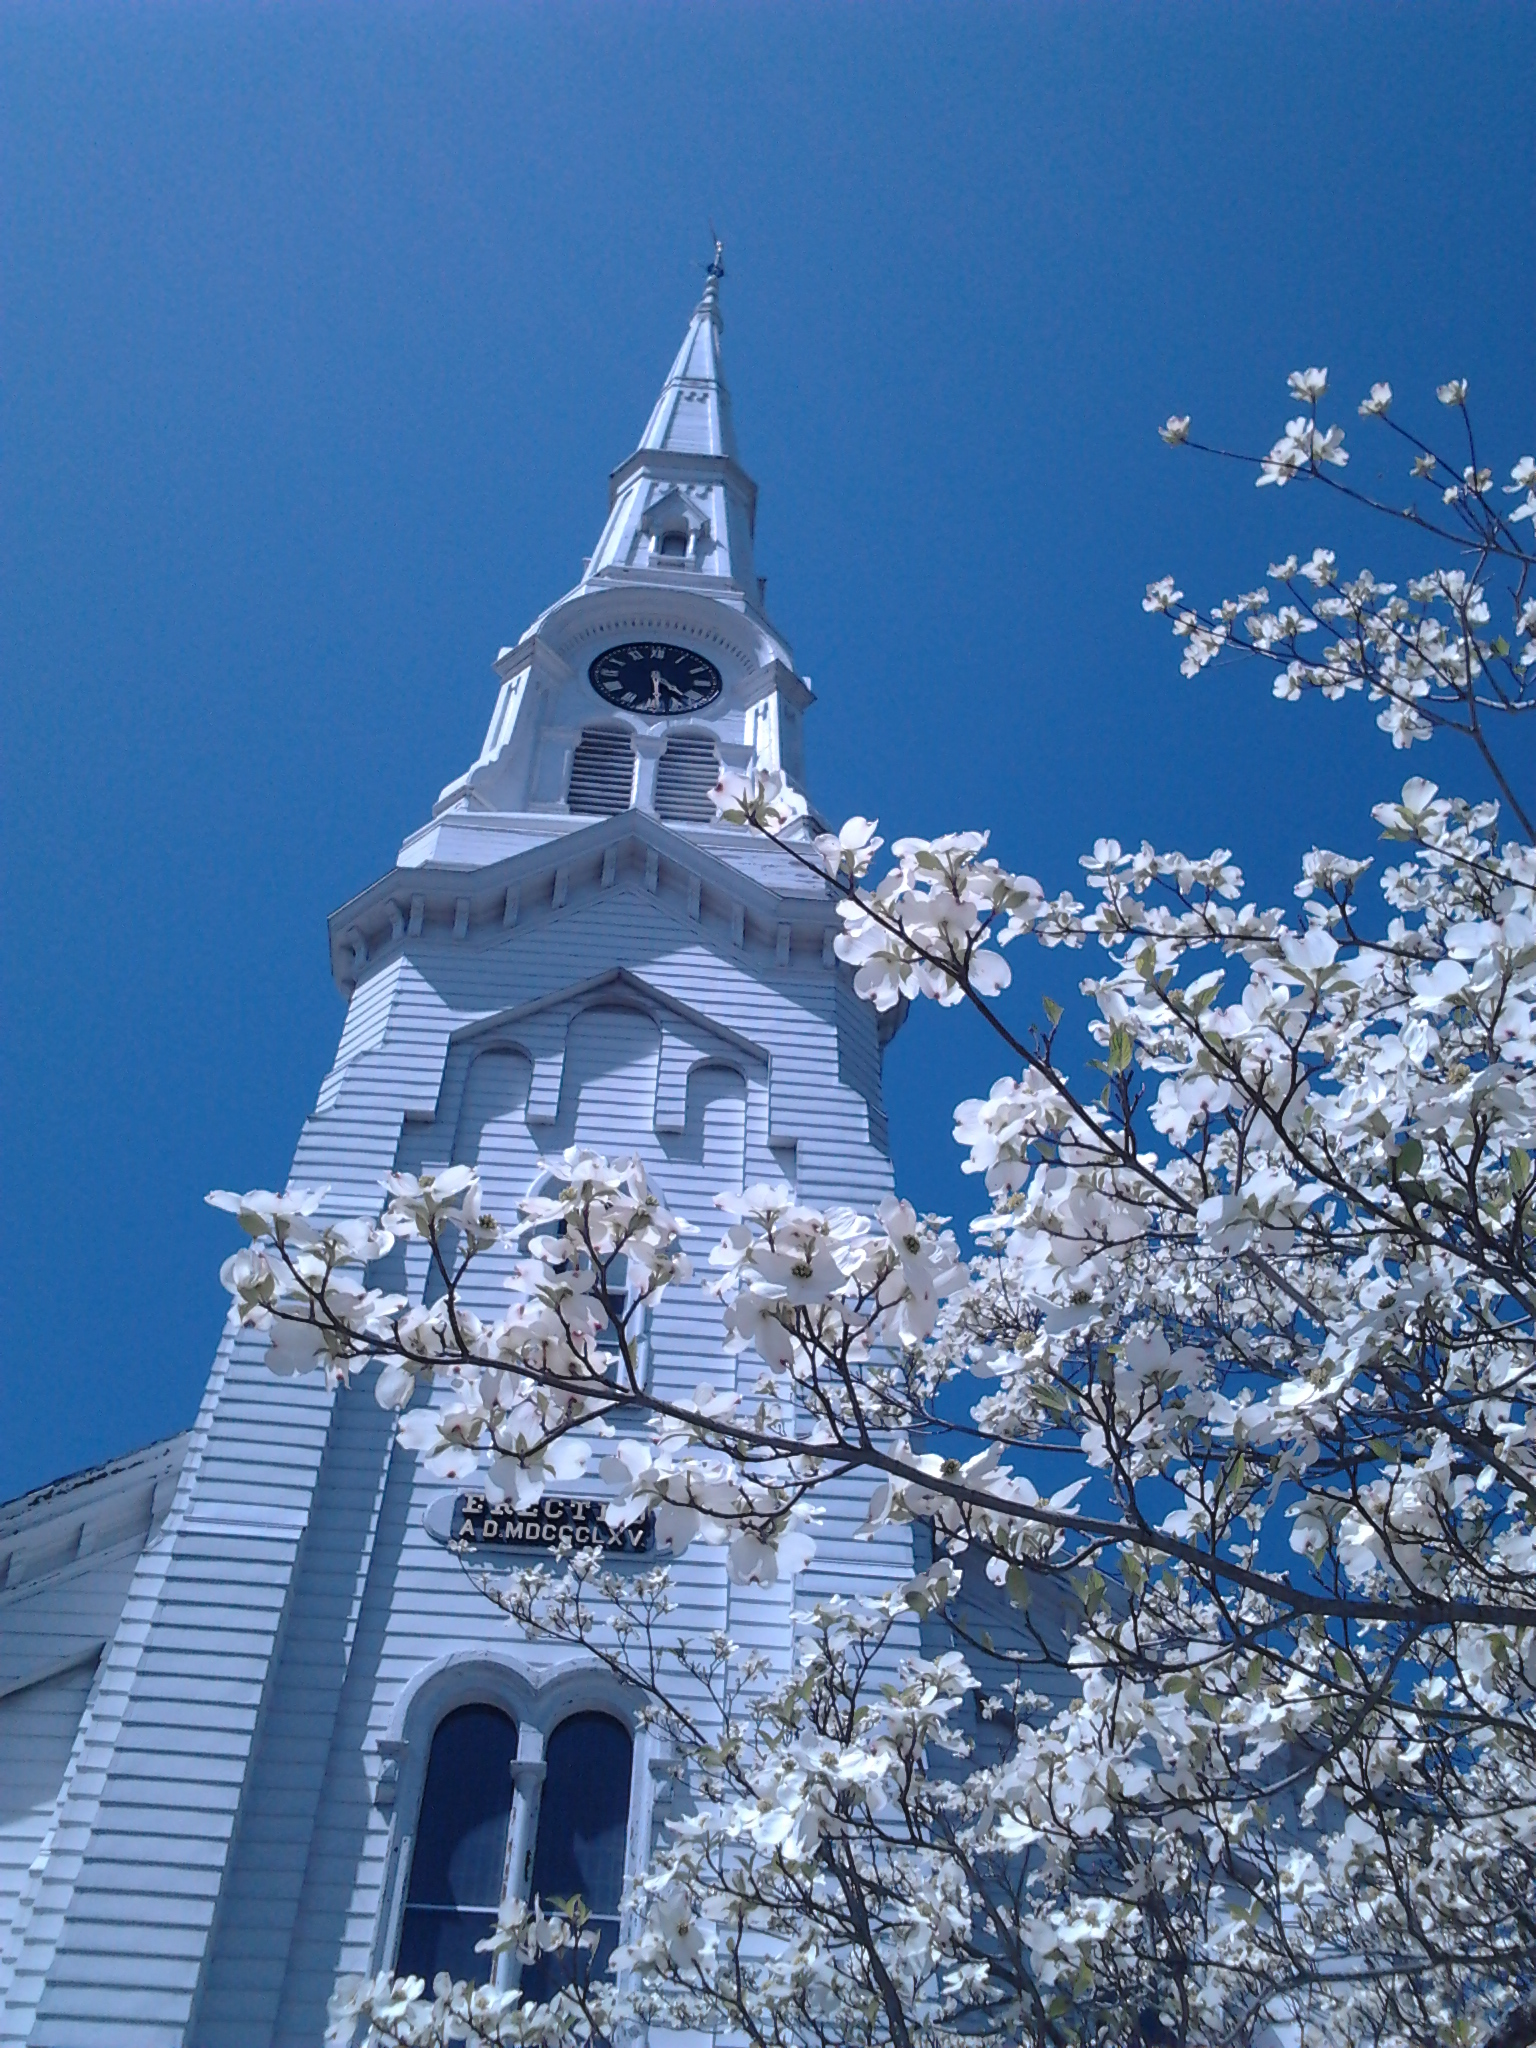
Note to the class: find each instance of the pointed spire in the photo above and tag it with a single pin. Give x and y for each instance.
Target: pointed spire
(682, 506)
(693, 414)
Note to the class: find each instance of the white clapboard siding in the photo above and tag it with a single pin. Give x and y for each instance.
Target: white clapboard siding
(223, 1853)
(38, 1726)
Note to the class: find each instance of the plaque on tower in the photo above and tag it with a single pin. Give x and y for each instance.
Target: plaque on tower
(560, 1524)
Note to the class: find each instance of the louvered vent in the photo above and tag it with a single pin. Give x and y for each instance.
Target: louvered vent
(603, 771)
(685, 775)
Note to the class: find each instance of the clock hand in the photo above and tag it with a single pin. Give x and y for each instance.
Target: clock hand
(655, 689)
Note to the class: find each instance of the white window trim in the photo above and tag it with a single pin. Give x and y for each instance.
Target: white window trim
(538, 1701)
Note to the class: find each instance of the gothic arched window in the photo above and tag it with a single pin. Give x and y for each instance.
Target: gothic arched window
(583, 1825)
(685, 775)
(563, 1791)
(602, 771)
(458, 1864)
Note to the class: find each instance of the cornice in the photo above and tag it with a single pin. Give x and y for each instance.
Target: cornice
(79, 1519)
(675, 466)
(692, 602)
(442, 904)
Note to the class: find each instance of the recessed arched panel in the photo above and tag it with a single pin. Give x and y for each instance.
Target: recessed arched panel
(715, 1131)
(608, 1088)
(492, 1130)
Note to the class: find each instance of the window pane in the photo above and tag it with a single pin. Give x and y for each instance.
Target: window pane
(435, 1938)
(461, 1845)
(584, 1813)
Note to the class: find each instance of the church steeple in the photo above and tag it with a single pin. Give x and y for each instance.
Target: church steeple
(693, 413)
(682, 505)
(660, 667)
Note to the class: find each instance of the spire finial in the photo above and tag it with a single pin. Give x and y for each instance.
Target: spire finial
(714, 271)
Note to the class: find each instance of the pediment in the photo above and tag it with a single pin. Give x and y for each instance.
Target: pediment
(541, 1029)
(672, 509)
(612, 986)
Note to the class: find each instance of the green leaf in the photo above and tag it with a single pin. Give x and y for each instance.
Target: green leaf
(1501, 647)
(1519, 1168)
(1090, 1590)
(1053, 1011)
(1343, 1670)
(1410, 1157)
(1120, 1049)
(1020, 1591)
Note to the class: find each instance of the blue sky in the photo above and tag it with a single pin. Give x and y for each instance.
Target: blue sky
(323, 327)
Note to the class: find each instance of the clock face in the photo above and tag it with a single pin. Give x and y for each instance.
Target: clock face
(648, 675)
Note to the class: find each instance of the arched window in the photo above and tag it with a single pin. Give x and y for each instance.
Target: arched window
(582, 1826)
(570, 1804)
(673, 545)
(602, 771)
(685, 775)
(458, 1865)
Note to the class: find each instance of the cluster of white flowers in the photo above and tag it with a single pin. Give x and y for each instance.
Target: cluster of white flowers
(1304, 445)
(401, 2012)
(1423, 657)
(1247, 1740)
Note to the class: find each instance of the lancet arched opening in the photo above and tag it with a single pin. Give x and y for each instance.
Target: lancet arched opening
(458, 1864)
(583, 1828)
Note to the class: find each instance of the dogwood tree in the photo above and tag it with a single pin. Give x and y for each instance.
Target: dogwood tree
(1233, 1410)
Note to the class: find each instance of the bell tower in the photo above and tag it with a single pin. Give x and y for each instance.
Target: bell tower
(572, 949)
(660, 666)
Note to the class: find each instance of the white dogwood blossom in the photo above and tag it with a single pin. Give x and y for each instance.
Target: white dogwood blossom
(1422, 657)
(1208, 1715)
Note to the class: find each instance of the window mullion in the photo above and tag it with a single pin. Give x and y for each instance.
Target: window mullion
(527, 1781)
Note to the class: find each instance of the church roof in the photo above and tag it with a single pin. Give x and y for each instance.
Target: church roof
(76, 1517)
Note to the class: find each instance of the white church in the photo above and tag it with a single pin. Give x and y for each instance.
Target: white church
(258, 1726)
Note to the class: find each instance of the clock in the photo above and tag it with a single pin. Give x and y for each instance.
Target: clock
(649, 675)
